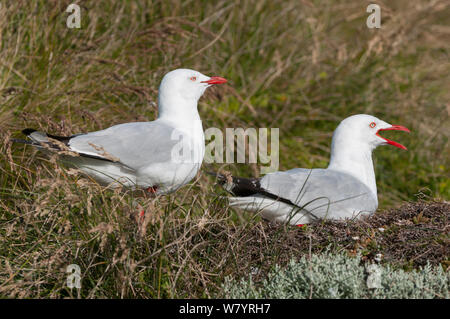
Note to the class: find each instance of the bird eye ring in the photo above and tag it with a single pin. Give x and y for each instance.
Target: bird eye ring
(372, 125)
(193, 78)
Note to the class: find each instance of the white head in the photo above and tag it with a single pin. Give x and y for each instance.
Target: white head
(364, 130)
(181, 89)
(353, 142)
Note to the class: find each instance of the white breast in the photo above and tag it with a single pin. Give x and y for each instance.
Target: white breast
(186, 161)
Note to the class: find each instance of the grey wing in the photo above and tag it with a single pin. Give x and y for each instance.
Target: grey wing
(133, 144)
(320, 191)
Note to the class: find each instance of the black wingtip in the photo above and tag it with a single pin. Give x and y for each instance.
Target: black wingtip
(28, 131)
(238, 186)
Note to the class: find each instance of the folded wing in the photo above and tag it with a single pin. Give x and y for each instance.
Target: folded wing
(133, 144)
(320, 191)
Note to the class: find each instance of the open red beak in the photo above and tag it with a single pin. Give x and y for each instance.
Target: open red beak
(215, 80)
(394, 128)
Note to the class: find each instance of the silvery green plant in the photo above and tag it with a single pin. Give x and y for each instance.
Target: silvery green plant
(329, 275)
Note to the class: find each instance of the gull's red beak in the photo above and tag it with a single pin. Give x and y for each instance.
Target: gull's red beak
(393, 128)
(215, 80)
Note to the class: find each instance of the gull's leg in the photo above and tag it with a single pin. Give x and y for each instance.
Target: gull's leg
(137, 209)
(152, 189)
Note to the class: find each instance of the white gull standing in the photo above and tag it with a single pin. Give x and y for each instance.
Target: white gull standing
(346, 189)
(159, 156)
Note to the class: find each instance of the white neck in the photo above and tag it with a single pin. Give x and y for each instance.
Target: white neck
(182, 114)
(174, 109)
(355, 159)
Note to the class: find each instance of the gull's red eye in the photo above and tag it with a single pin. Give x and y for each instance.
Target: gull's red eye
(193, 78)
(373, 124)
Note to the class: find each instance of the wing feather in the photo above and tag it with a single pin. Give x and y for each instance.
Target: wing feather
(133, 144)
(320, 190)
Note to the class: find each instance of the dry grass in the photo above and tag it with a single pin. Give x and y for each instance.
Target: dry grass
(301, 66)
